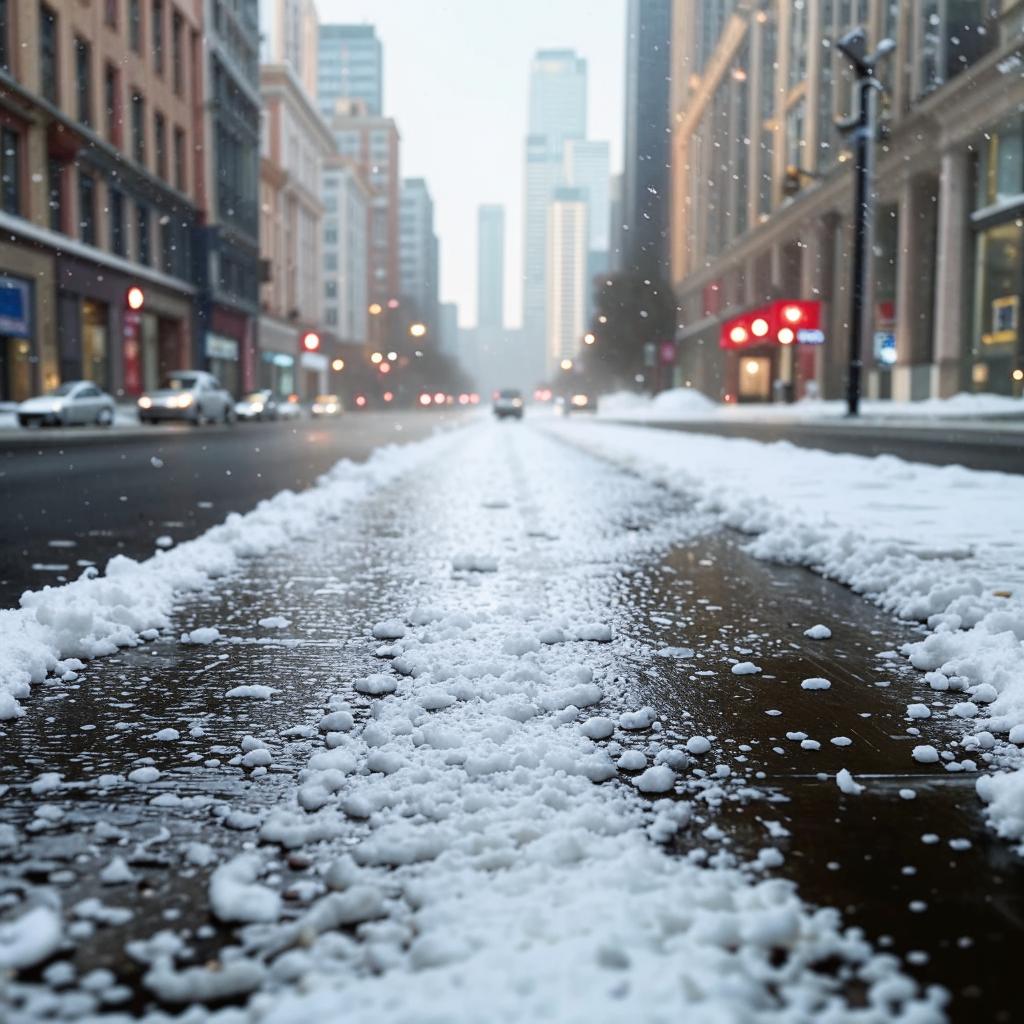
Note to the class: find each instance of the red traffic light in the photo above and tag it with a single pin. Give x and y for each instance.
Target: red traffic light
(311, 341)
(136, 297)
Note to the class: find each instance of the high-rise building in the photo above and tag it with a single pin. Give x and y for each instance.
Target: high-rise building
(568, 237)
(289, 32)
(371, 144)
(763, 198)
(558, 112)
(350, 66)
(586, 169)
(100, 189)
(294, 144)
(616, 232)
(418, 257)
(645, 184)
(346, 209)
(449, 330)
(230, 274)
(490, 266)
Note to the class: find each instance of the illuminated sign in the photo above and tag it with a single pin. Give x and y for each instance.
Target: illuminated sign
(782, 322)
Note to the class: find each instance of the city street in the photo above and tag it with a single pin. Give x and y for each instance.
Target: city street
(504, 717)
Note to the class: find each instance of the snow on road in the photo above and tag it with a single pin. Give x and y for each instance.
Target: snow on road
(941, 545)
(477, 852)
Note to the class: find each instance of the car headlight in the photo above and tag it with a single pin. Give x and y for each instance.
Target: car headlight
(580, 400)
(184, 401)
(145, 402)
(517, 403)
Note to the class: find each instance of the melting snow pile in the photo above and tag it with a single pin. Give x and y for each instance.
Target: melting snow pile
(941, 545)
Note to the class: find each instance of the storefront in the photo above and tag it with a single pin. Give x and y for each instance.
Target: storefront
(229, 349)
(17, 355)
(222, 360)
(997, 351)
(313, 367)
(278, 348)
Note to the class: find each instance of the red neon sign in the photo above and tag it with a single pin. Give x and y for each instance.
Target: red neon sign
(782, 322)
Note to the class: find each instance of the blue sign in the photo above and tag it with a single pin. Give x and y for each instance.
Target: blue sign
(15, 307)
(885, 348)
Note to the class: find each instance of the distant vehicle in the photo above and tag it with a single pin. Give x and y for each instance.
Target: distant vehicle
(508, 402)
(327, 405)
(189, 395)
(75, 401)
(581, 401)
(259, 405)
(290, 408)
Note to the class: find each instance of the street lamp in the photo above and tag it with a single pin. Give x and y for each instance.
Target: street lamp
(376, 357)
(589, 338)
(566, 364)
(862, 127)
(375, 309)
(417, 330)
(338, 365)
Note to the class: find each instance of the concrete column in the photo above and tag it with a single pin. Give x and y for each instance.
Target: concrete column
(952, 266)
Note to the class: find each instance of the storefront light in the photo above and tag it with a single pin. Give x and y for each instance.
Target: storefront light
(738, 334)
(786, 336)
(1018, 375)
(751, 366)
(759, 328)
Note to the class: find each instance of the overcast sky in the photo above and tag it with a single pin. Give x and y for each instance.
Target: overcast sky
(455, 80)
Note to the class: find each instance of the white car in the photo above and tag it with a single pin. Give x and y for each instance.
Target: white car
(508, 403)
(75, 401)
(257, 405)
(327, 405)
(190, 395)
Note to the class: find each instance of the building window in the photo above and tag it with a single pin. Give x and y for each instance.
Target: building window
(160, 144)
(117, 238)
(86, 208)
(55, 190)
(110, 13)
(10, 171)
(139, 128)
(83, 80)
(797, 43)
(142, 233)
(177, 52)
(112, 103)
(135, 25)
(48, 75)
(5, 22)
(167, 246)
(157, 18)
(179, 159)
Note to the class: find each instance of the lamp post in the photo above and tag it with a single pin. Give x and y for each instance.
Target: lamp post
(862, 127)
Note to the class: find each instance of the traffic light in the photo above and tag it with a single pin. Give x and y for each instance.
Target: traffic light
(311, 341)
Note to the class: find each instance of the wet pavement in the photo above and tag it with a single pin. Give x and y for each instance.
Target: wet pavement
(684, 614)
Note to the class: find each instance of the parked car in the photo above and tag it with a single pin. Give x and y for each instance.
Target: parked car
(508, 402)
(289, 408)
(190, 395)
(259, 405)
(581, 401)
(75, 401)
(327, 405)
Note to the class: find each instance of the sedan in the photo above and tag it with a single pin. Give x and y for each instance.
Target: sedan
(75, 401)
(190, 395)
(259, 405)
(581, 401)
(327, 405)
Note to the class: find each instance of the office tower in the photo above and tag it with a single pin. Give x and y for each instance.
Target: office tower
(350, 66)
(568, 237)
(490, 279)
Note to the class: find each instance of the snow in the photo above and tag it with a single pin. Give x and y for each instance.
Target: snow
(815, 683)
(30, 939)
(274, 622)
(235, 895)
(925, 753)
(847, 784)
(745, 668)
(818, 632)
(205, 635)
(258, 691)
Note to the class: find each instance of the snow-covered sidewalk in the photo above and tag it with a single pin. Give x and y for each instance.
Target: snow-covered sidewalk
(942, 546)
(485, 814)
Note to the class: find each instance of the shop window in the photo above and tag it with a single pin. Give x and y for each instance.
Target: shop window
(10, 171)
(999, 276)
(55, 193)
(135, 25)
(48, 68)
(95, 364)
(117, 235)
(86, 208)
(83, 80)
(1001, 165)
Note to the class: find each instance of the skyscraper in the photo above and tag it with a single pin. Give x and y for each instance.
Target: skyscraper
(289, 33)
(350, 67)
(567, 275)
(418, 256)
(558, 112)
(645, 169)
(586, 169)
(490, 274)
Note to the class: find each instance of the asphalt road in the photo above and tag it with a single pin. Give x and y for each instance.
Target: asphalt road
(976, 445)
(70, 497)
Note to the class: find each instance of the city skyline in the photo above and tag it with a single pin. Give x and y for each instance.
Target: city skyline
(498, 63)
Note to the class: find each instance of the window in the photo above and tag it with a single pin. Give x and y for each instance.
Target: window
(55, 189)
(117, 238)
(110, 13)
(160, 144)
(135, 25)
(139, 128)
(86, 208)
(158, 35)
(179, 160)
(112, 103)
(10, 171)
(5, 21)
(83, 80)
(177, 52)
(142, 233)
(168, 248)
(48, 80)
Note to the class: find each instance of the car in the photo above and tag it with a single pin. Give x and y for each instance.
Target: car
(327, 405)
(508, 403)
(258, 405)
(581, 401)
(75, 401)
(189, 395)
(290, 408)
